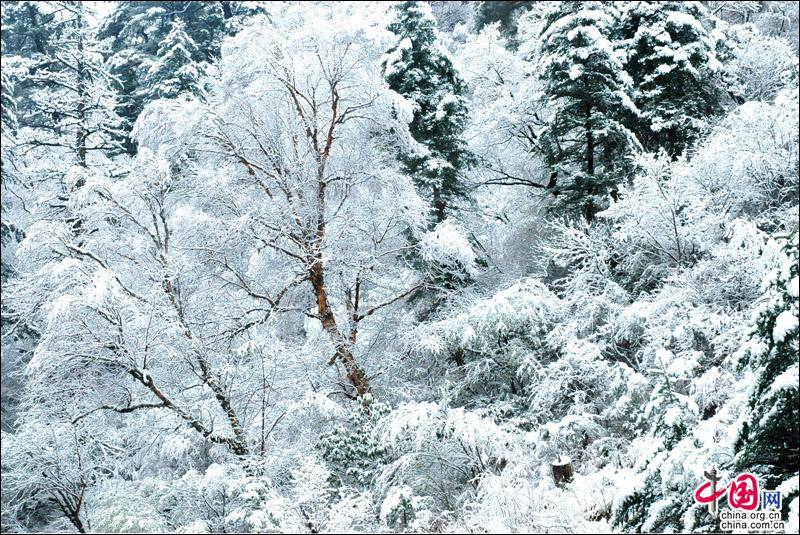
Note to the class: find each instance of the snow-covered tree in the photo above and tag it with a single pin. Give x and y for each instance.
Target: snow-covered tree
(28, 32)
(669, 55)
(175, 71)
(138, 30)
(48, 467)
(768, 441)
(264, 318)
(108, 311)
(584, 84)
(74, 102)
(420, 69)
(756, 66)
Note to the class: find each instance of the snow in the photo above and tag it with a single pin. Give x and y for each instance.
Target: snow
(393, 60)
(785, 324)
(788, 380)
(589, 32)
(536, 334)
(447, 245)
(103, 281)
(575, 71)
(394, 498)
(793, 524)
(679, 18)
(793, 288)
(444, 103)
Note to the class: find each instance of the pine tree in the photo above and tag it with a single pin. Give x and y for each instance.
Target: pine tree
(28, 33)
(8, 105)
(670, 58)
(137, 31)
(421, 70)
(585, 144)
(175, 71)
(769, 440)
(75, 91)
(27, 29)
(504, 12)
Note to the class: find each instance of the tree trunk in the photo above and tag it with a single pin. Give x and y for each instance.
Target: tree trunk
(589, 207)
(239, 444)
(589, 141)
(80, 134)
(562, 470)
(344, 352)
(78, 523)
(439, 205)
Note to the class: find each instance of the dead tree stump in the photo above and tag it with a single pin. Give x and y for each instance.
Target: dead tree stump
(562, 470)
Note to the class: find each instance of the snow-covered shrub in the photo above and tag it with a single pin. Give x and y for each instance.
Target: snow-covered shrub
(769, 437)
(401, 510)
(699, 401)
(440, 452)
(654, 497)
(128, 507)
(757, 65)
(447, 252)
(586, 406)
(493, 341)
(748, 166)
(525, 500)
(730, 275)
(351, 449)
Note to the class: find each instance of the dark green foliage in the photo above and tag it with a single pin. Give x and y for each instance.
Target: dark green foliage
(29, 33)
(144, 25)
(769, 441)
(669, 57)
(174, 71)
(138, 31)
(422, 71)
(585, 143)
(8, 104)
(26, 29)
(351, 449)
(634, 510)
(504, 12)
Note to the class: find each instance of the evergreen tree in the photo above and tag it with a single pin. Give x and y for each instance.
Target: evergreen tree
(26, 30)
(504, 12)
(769, 441)
(175, 71)
(420, 69)
(668, 54)
(28, 33)
(138, 30)
(585, 144)
(8, 105)
(74, 92)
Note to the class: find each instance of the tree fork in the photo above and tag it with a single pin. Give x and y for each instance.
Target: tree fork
(355, 374)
